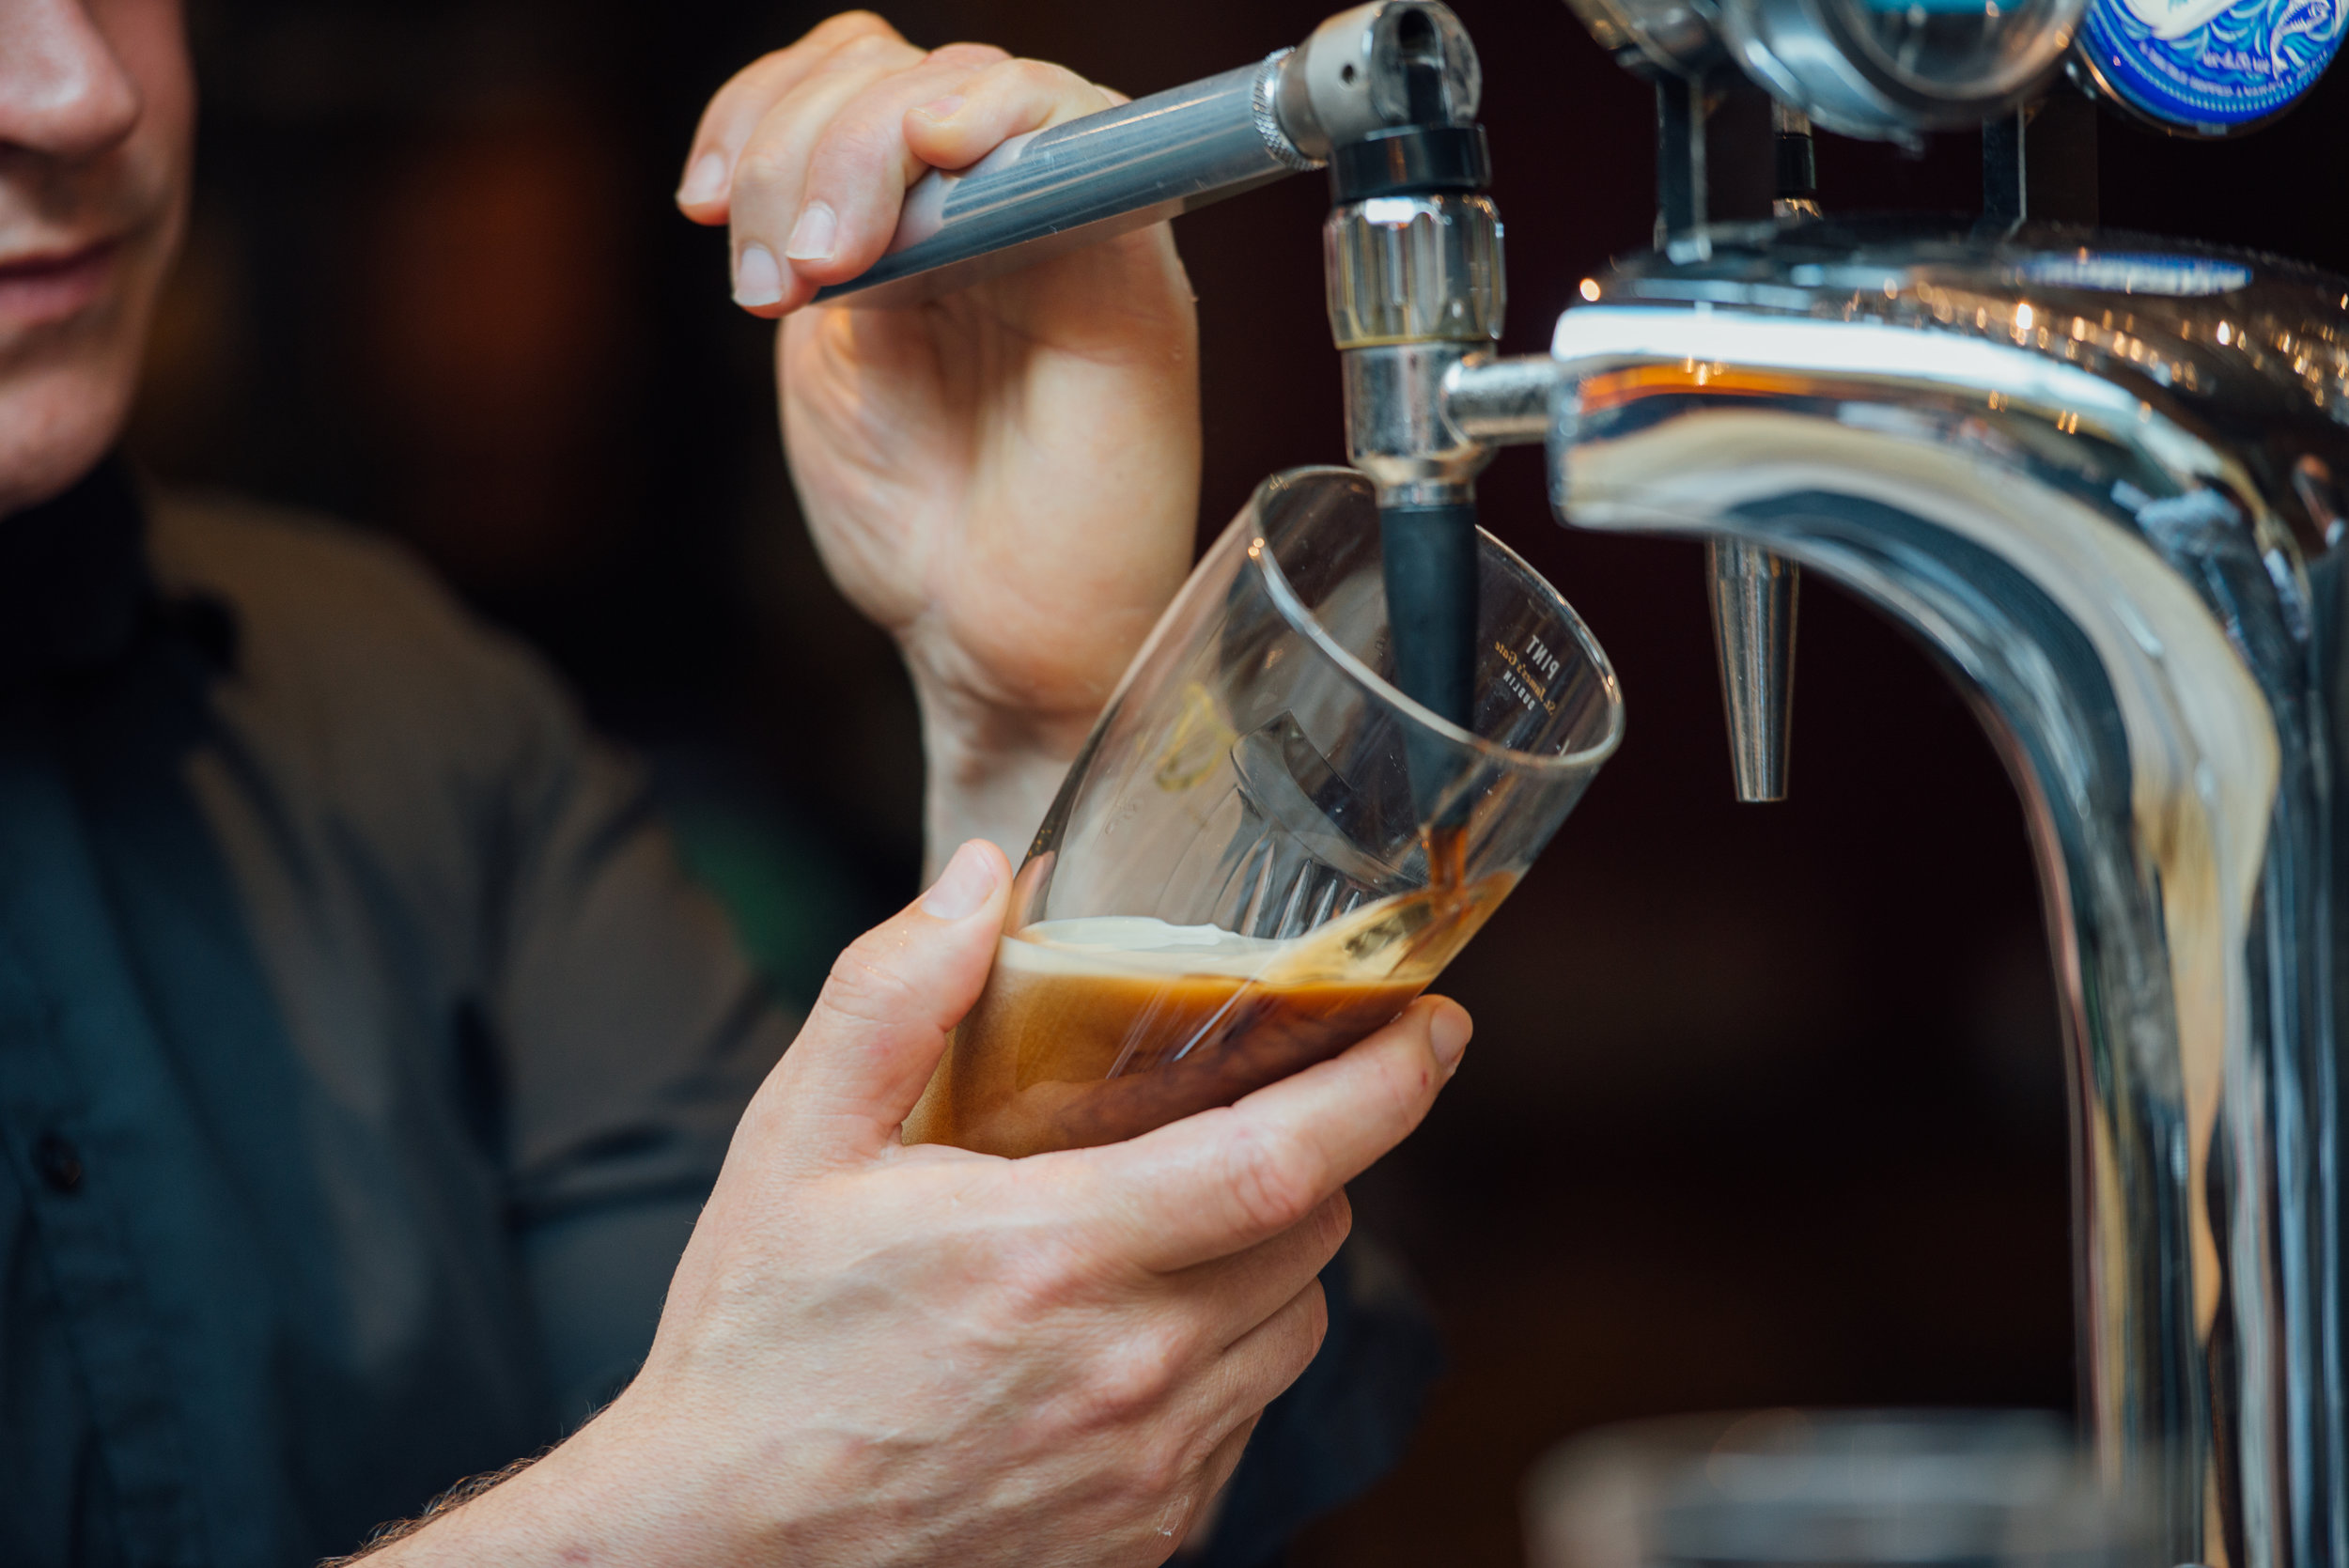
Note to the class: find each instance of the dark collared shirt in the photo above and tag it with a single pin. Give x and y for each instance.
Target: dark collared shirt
(365, 1057)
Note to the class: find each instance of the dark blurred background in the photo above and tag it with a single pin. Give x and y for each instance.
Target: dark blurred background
(1766, 1103)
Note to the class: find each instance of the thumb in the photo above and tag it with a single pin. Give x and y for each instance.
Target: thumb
(880, 1026)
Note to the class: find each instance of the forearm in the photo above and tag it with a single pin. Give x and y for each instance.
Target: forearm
(582, 1502)
(399, 1544)
(991, 774)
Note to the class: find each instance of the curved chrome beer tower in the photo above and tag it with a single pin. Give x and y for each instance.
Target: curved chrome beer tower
(2096, 503)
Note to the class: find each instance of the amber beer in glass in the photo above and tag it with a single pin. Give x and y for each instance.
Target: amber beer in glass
(1241, 874)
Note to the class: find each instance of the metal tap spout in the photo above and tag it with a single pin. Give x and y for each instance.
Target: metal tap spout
(1755, 595)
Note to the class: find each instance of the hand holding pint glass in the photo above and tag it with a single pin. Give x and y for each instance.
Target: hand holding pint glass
(1240, 877)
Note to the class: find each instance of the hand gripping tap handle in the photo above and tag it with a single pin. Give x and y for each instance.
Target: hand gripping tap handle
(1385, 95)
(1077, 184)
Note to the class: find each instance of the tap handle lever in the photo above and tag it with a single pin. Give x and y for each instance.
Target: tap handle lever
(1392, 63)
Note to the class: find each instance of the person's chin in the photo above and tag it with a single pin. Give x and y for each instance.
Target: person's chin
(58, 418)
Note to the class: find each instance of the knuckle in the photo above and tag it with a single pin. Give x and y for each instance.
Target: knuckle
(864, 48)
(1045, 1270)
(847, 26)
(973, 54)
(1010, 77)
(1064, 85)
(1157, 1355)
(1167, 1465)
(1133, 1378)
(1040, 78)
(1271, 1179)
(864, 984)
(854, 143)
(746, 85)
(1166, 1462)
(1041, 1284)
(764, 168)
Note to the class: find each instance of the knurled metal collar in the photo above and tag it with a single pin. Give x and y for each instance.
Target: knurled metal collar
(1263, 103)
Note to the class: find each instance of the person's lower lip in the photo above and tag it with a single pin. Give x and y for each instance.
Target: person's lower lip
(51, 288)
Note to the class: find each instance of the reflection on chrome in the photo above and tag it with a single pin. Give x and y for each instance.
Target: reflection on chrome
(2083, 479)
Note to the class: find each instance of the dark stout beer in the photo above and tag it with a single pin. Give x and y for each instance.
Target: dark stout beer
(1092, 1031)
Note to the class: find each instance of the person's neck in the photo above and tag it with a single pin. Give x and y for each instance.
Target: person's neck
(72, 575)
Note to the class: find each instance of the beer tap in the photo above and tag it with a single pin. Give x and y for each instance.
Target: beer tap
(1753, 596)
(2095, 476)
(2076, 467)
(1412, 254)
(1756, 594)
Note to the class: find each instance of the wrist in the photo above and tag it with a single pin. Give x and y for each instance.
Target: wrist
(604, 1496)
(991, 769)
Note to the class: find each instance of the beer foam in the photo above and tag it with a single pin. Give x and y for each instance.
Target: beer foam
(1130, 944)
(1406, 934)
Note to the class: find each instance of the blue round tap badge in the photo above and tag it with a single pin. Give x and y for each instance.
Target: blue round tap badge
(2135, 273)
(2210, 66)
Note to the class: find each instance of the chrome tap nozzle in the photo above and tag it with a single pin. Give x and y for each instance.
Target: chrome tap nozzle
(1754, 596)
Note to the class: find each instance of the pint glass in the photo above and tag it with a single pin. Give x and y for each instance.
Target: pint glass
(1265, 850)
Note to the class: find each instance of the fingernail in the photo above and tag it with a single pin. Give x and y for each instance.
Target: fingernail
(943, 108)
(706, 180)
(967, 881)
(810, 236)
(1448, 1031)
(758, 281)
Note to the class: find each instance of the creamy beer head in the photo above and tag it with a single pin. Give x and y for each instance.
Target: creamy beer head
(1095, 1030)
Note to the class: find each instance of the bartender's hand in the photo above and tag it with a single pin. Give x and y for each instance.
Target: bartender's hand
(1007, 479)
(888, 1356)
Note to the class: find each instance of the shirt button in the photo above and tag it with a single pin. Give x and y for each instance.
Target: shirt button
(58, 1162)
